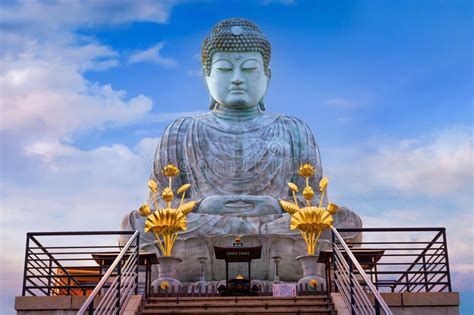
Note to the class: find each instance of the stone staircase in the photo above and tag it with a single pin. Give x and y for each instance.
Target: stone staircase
(319, 304)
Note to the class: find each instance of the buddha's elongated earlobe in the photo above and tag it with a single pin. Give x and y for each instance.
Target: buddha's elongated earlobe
(212, 103)
(261, 104)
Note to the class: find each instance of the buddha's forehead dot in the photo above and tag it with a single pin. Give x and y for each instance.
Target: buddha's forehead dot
(237, 57)
(236, 30)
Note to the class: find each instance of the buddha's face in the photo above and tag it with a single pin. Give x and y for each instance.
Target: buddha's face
(237, 79)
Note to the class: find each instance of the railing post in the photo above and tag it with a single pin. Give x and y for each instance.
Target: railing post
(23, 291)
(445, 245)
(351, 284)
(407, 282)
(333, 261)
(424, 271)
(138, 265)
(50, 276)
(119, 284)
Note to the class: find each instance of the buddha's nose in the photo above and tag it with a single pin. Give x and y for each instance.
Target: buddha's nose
(237, 79)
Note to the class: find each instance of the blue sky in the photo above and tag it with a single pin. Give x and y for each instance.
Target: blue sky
(87, 88)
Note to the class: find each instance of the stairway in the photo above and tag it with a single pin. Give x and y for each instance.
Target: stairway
(239, 305)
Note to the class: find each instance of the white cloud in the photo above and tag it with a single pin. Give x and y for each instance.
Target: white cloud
(433, 166)
(56, 15)
(69, 189)
(45, 100)
(153, 55)
(425, 181)
(195, 73)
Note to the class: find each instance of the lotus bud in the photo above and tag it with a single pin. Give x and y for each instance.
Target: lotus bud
(293, 187)
(170, 170)
(144, 210)
(306, 170)
(167, 194)
(308, 193)
(152, 185)
(332, 208)
(183, 188)
(323, 184)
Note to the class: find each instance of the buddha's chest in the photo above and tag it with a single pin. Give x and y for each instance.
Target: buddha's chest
(252, 147)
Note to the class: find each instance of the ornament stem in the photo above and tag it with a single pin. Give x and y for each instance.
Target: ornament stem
(159, 243)
(173, 239)
(155, 200)
(322, 197)
(182, 198)
(317, 239)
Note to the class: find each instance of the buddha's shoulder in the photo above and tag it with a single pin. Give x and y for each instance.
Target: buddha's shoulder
(183, 122)
(294, 122)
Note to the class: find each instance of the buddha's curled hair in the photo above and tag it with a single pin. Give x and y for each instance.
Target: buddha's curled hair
(235, 35)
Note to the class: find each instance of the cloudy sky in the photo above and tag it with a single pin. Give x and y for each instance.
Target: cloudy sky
(87, 87)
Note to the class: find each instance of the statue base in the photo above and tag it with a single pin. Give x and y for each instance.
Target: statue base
(311, 273)
(167, 274)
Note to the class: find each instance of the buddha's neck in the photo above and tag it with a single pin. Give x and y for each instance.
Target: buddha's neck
(236, 114)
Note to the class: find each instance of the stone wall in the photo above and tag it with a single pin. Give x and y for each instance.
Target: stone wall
(421, 303)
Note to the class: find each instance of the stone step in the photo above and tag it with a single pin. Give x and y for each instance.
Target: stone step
(244, 310)
(239, 298)
(223, 304)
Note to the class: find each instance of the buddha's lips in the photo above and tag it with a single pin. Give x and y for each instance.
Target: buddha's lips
(240, 204)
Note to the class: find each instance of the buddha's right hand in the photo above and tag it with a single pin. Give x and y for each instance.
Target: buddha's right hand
(241, 205)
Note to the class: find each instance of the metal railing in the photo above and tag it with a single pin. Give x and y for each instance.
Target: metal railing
(62, 263)
(352, 282)
(73, 263)
(404, 259)
(124, 283)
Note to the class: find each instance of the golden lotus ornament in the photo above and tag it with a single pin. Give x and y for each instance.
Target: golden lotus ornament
(167, 222)
(306, 170)
(310, 220)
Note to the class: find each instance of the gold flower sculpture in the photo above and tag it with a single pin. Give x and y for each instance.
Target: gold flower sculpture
(310, 220)
(167, 222)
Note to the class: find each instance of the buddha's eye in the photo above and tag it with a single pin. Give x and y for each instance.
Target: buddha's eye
(249, 68)
(249, 65)
(223, 65)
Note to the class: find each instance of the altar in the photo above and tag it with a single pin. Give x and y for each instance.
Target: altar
(238, 255)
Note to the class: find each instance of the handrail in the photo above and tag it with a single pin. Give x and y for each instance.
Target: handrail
(362, 273)
(107, 274)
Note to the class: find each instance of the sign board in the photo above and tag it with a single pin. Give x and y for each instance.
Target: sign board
(284, 289)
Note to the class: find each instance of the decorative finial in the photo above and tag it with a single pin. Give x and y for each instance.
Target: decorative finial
(309, 220)
(166, 223)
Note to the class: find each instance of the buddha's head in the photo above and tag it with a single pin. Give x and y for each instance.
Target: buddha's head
(235, 58)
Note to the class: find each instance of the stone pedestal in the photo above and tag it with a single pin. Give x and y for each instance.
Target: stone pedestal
(310, 272)
(167, 273)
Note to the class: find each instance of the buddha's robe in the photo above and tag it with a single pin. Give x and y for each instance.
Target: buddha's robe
(253, 157)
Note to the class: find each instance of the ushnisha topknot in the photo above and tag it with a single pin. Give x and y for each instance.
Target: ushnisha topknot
(235, 35)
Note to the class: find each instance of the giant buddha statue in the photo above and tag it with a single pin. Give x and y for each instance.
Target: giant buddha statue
(238, 159)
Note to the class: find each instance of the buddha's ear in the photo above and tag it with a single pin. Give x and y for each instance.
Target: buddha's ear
(268, 74)
(205, 77)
